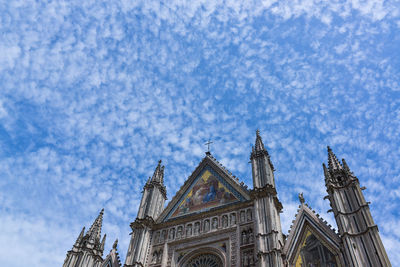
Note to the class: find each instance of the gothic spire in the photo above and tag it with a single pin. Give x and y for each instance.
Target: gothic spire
(78, 240)
(158, 175)
(103, 242)
(326, 172)
(115, 244)
(333, 162)
(345, 166)
(94, 232)
(259, 143)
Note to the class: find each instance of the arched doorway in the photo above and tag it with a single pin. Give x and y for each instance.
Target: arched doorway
(204, 260)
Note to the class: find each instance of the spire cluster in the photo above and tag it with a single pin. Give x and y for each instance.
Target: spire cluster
(336, 172)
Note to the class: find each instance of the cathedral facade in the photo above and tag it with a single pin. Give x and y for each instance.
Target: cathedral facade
(214, 220)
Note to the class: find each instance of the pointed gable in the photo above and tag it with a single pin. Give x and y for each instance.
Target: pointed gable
(311, 239)
(112, 259)
(210, 186)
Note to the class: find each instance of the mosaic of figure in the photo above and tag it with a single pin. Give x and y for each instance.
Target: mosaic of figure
(207, 193)
(314, 253)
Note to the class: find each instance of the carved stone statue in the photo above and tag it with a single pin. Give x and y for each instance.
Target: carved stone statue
(196, 228)
(301, 198)
(249, 215)
(179, 232)
(214, 224)
(171, 233)
(154, 258)
(233, 218)
(242, 216)
(159, 259)
(244, 237)
(188, 230)
(206, 225)
(157, 237)
(224, 221)
(245, 259)
(251, 237)
(163, 236)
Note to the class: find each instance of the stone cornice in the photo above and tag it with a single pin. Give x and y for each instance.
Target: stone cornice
(351, 180)
(360, 233)
(259, 192)
(267, 234)
(262, 153)
(135, 264)
(337, 213)
(142, 223)
(203, 236)
(160, 186)
(267, 190)
(265, 253)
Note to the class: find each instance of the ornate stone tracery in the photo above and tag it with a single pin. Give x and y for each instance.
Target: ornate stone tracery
(204, 260)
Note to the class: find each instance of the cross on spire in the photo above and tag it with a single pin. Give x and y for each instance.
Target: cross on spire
(208, 143)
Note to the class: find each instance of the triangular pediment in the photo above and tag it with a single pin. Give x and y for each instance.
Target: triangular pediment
(311, 240)
(209, 187)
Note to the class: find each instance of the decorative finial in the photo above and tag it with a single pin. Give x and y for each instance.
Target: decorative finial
(301, 198)
(115, 244)
(258, 132)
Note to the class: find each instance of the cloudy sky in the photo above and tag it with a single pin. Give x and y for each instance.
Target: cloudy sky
(94, 93)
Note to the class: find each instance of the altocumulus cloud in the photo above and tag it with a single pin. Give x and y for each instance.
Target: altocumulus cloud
(93, 93)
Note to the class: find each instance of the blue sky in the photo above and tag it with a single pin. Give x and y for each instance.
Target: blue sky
(94, 93)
